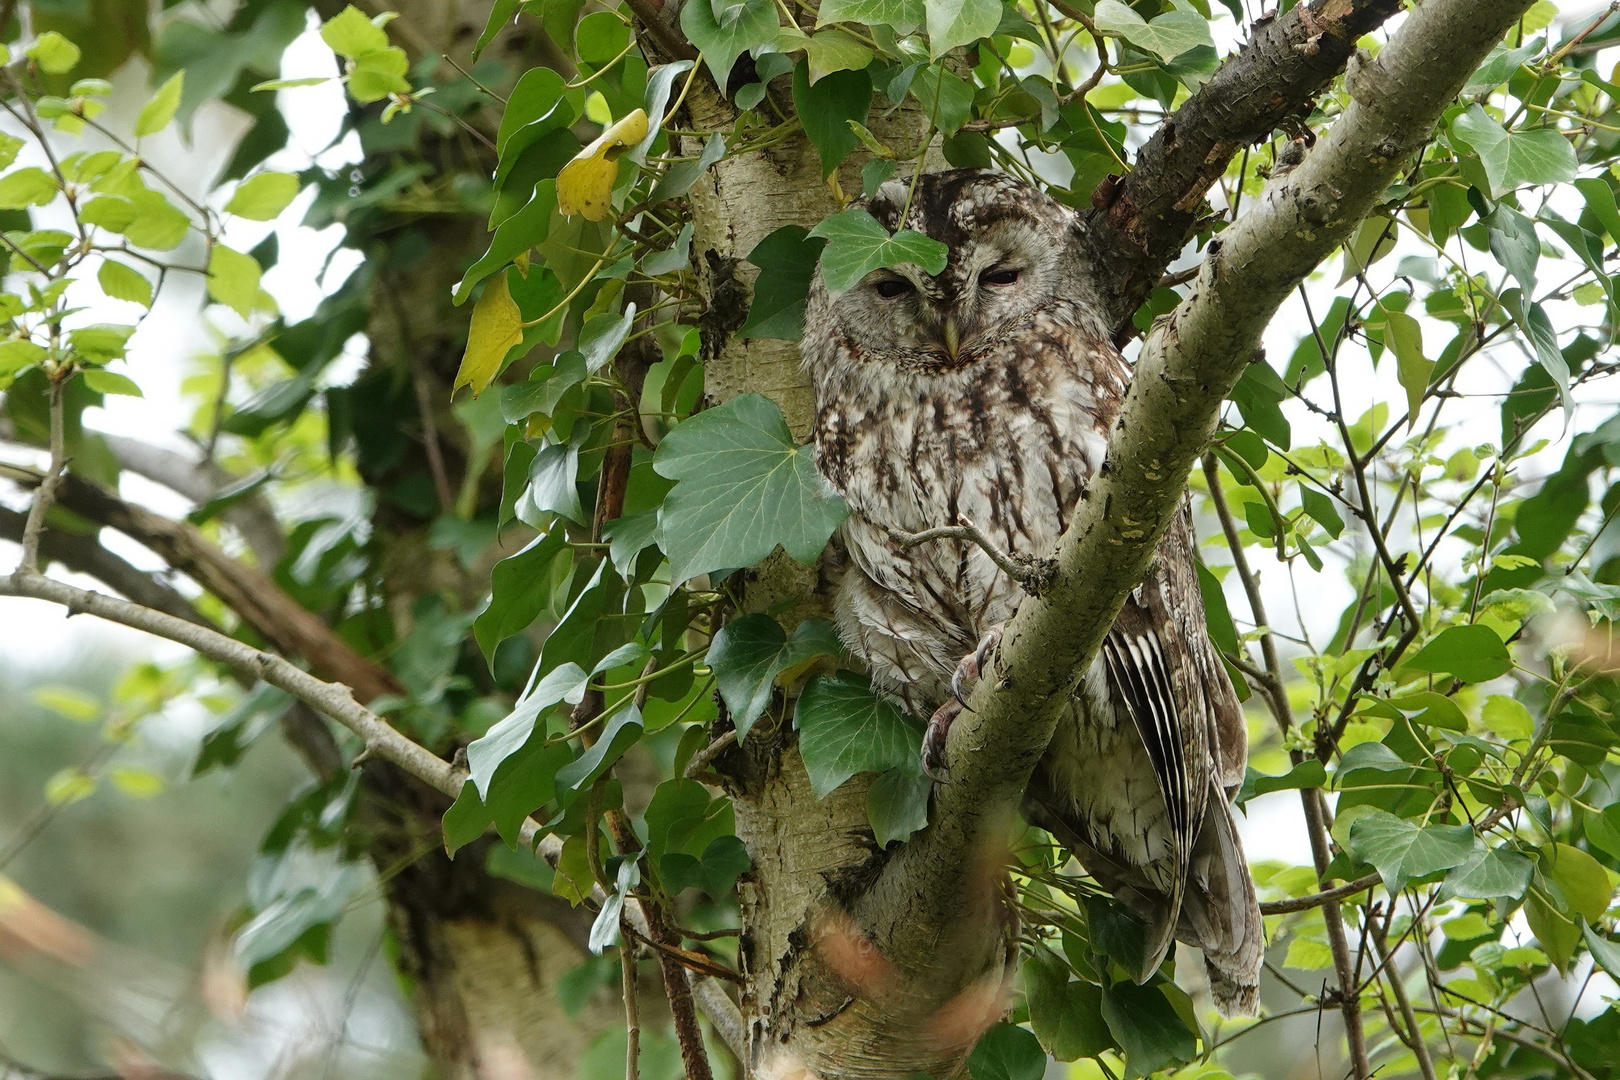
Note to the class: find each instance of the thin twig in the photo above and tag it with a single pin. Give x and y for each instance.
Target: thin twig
(45, 494)
(1034, 574)
(705, 757)
(632, 1004)
(1316, 900)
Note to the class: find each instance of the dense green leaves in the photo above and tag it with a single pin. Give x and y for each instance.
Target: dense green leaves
(743, 487)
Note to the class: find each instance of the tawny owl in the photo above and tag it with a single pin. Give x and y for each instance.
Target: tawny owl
(987, 392)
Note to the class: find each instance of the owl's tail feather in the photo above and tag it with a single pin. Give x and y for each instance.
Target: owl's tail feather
(1219, 912)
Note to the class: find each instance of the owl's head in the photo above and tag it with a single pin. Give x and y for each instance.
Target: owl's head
(1011, 255)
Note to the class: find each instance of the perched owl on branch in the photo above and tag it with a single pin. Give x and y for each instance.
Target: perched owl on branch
(984, 395)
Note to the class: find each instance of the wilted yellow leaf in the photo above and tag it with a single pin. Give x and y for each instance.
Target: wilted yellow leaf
(585, 184)
(497, 325)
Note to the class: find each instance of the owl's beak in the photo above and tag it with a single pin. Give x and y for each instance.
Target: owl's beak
(953, 337)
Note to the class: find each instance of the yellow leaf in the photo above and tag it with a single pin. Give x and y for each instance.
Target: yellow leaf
(497, 325)
(585, 185)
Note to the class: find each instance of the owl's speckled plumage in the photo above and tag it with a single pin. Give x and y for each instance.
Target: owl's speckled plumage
(987, 391)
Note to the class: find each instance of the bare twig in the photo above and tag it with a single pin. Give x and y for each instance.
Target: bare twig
(1033, 573)
(705, 757)
(1316, 900)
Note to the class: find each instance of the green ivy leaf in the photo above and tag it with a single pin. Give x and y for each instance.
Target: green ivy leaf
(1258, 395)
(622, 731)
(54, 53)
(845, 729)
(826, 51)
(725, 29)
(1168, 36)
(743, 487)
(1065, 1013)
(1534, 323)
(1307, 774)
(349, 33)
(959, 22)
(156, 114)
(233, 279)
(1005, 1052)
(1320, 508)
(857, 245)
(600, 338)
(520, 588)
(1514, 243)
(826, 108)
(1402, 850)
(1147, 1027)
(787, 264)
(1514, 158)
(1472, 653)
(903, 16)
(263, 196)
(945, 98)
(124, 283)
(553, 486)
(1605, 952)
(566, 682)
(715, 871)
(500, 17)
(1599, 198)
(749, 653)
(376, 74)
(1497, 873)
(897, 805)
(154, 222)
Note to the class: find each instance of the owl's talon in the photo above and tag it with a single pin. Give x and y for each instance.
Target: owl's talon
(933, 748)
(972, 666)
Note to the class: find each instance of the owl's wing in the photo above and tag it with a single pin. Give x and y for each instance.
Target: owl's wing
(1140, 673)
(1228, 733)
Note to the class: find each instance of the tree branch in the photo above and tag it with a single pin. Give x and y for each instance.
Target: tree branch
(200, 480)
(915, 910)
(1139, 223)
(246, 590)
(1315, 900)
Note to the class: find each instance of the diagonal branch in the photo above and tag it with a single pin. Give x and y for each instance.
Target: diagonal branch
(1188, 364)
(1139, 223)
(246, 590)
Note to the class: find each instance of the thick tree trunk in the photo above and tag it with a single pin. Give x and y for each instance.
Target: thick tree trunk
(817, 998)
(482, 958)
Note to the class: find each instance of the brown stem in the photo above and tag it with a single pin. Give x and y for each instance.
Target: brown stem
(45, 494)
(1315, 900)
(1271, 680)
(668, 38)
(1333, 919)
(1404, 1003)
(246, 590)
(632, 1005)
